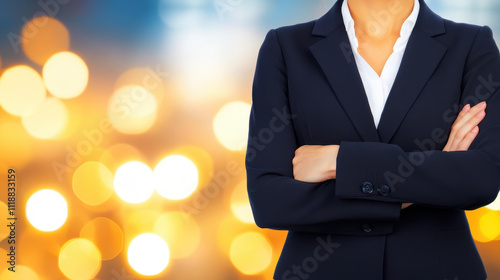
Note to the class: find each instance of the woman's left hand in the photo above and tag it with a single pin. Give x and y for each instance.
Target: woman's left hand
(315, 163)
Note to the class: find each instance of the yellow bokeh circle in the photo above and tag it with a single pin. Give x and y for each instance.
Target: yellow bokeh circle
(93, 183)
(134, 182)
(79, 259)
(489, 224)
(240, 205)
(118, 154)
(106, 235)
(180, 231)
(42, 37)
(65, 75)
(231, 125)
(17, 149)
(4, 231)
(147, 78)
(176, 177)
(22, 273)
(132, 109)
(48, 121)
(201, 158)
(251, 253)
(47, 210)
(22, 91)
(148, 254)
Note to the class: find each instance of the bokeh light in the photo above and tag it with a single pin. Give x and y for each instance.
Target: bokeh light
(47, 210)
(176, 177)
(17, 148)
(48, 121)
(4, 231)
(174, 81)
(474, 218)
(132, 109)
(138, 222)
(231, 125)
(134, 182)
(148, 254)
(180, 231)
(93, 183)
(43, 37)
(201, 158)
(118, 154)
(22, 273)
(65, 75)
(147, 78)
(22, 91)
(240, 204)
(495, 205)
(106, 235)
(489, 224)
(251, 253)
(79, 259)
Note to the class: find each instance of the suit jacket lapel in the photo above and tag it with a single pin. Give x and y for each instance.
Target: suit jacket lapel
(422, 56)
(334, 55)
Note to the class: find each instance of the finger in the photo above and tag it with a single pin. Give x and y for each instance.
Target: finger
(464, 110)
(460, 122)
(467, 128)
(465, 144)
(462, 113)
(469, 114)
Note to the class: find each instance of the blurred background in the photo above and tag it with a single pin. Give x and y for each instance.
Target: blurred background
(126, 122)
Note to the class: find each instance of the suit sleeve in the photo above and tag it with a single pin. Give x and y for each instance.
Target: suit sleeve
(278, 200)
(462, 179)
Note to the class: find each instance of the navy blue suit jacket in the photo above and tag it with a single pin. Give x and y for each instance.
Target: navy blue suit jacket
(307, 91)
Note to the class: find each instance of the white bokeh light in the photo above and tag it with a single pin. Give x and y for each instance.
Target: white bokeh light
(47, 210)
(176, 177)
(148, 254)
(495, 205)
(231, 125)
(132, 109)
(49, 121)
(133, 182)
(65, 75)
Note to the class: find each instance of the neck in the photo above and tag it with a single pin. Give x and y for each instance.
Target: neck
(379, 18)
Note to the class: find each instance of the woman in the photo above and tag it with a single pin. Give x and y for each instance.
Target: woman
(369, 137)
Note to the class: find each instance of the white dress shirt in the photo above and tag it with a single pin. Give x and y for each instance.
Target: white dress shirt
(377, 87)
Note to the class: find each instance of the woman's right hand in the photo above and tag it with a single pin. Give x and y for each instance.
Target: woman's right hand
(463, 131)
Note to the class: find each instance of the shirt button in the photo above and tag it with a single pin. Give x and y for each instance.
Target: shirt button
(367, 187)
(366, 228)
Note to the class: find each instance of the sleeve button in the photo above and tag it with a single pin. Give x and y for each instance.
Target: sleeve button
(384, 190)
(366, 228)
(367, 187)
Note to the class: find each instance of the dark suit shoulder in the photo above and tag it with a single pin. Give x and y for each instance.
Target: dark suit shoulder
(296, 30)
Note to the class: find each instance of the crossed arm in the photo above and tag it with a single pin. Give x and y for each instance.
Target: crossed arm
(290, 187)
(318, 163)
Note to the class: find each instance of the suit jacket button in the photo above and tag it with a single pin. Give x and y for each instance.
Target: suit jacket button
(384, 190)
(367, 187)
(366, 228)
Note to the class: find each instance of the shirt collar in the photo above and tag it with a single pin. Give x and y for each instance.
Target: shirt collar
(406, 29)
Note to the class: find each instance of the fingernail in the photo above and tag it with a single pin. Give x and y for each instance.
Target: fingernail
(482, 104)
(466, 108)
(475, 129)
